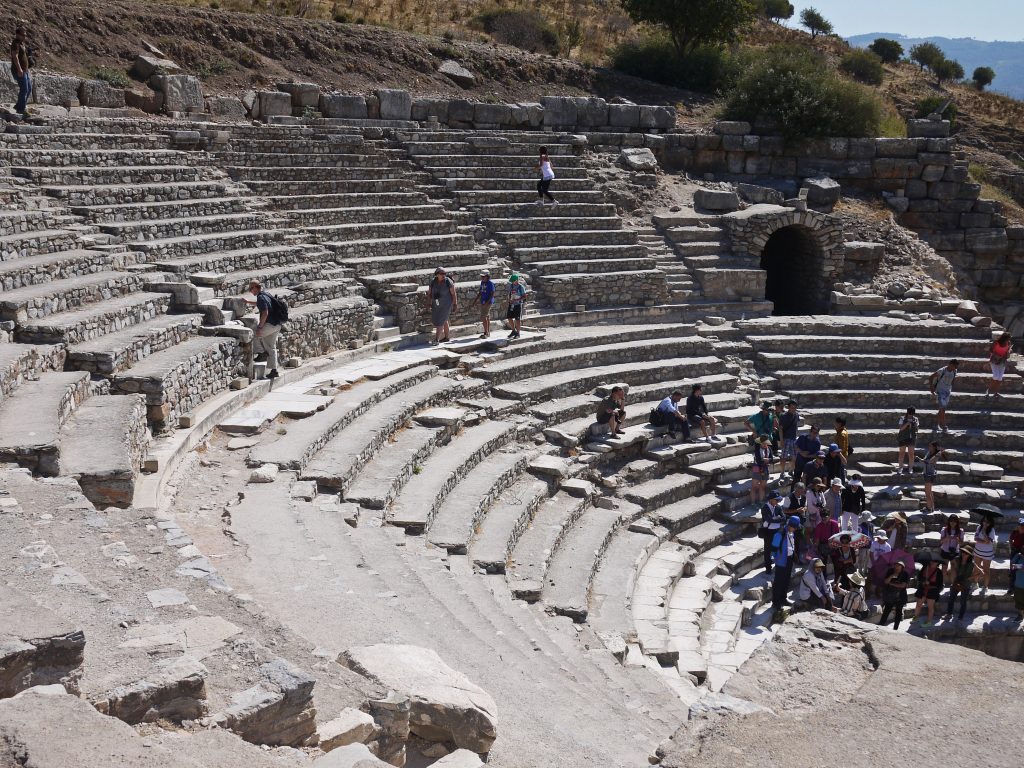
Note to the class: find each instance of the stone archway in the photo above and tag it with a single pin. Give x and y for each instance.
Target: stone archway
(802, 252)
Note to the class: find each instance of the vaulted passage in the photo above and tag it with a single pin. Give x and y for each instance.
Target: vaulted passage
(794, 268)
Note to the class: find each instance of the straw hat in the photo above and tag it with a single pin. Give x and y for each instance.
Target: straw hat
(856, 578)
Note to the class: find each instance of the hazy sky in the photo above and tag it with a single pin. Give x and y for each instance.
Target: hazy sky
(981, 19)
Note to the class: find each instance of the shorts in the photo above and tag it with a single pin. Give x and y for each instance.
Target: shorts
(604, 418)
(515, 311)
(948, 555)
(789, 449)
(932, 594)
(998, 371)
(485, 310)
(907, 442)
(942, 397)
(930, 473)
(757, 472)
(984, 554)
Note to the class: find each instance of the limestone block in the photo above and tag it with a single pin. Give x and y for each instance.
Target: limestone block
(760, 195)
(987, 240)
(461, 110)
(182, 93)
(732, 128)
(373, 107)
(352, 726)
(176, 692)
(274, 103)
(592, 112)
(37, 647)
(624, 115)
(58, 90)
(528, 113)
(662, 118)
(457, 73)
(927, 128)
(638, 159)
(351, 756)
(823, 192)
(342, 105)
(146, 65)
(394, 104)
(303, 95)
(97, 93)
(897, 147)
(424, 109)
(492, 114)
(445, 704)
(864, 252)
(226, 106)
(264, 474)
(551, 466)
(577, 487)
(716, 200)
(278, 710)
(460, 758)
(559, 111)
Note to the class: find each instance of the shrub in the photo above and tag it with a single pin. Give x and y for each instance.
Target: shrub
(708, 70)
(693, 24)
(776, 10)
(983, 76)
(815, 23)
(864, 66)
(114, 77)
(932, 104)
(521, 29)
(926, 55)
(792, 90)
(889, 51)
(947, 69)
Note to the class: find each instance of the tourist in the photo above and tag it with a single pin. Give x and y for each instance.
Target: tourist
(772, 517)
(514, 308)
(815, 507)
(835, 462)
(778, 413)
(998, 354)
(816, 470)
(796, 502)
(807, 447)
(698, 416)
(844, 561)
(834, 501)
(815, 591)
(985, 539)
(867, 528)
(789, 422)
(906, 440)
(879, 546)
(264, 343)
(842, 438)
(786, 548)
(855, 601)
(940, 384)
(442, 300)
(547, 175)
(931, 470)
(1017, 572)
(760, 471)
(612, 412)
(1016, 544)
(21, 62)
(896, 523)
(894, 593)
(929, 587)
(951, 538)
(965, 571)
(824, 531)
(761, 424)
(486, 302)
(668, 414)
(855, 501)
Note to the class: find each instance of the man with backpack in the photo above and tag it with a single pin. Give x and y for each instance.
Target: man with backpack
(273, 314)
(667, 415)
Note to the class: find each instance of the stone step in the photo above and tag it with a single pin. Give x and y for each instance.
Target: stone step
(527, 211)
(696, 234)
(461, 274)
(90, 140)
(562, 384)
(309, 144)
(328, 173)
(889, 380)
(567, 582)
(870, 327)
(525, 163)
(154, 211)
(96, 158)
(309, 217)
(639, 288)
(497, 183)
(116, 194)
(581, 252)
(869, 443)
(167, 248)
(383, 476)
(31, 419)
(507, 517)
(595, 266)
(102, 445)
(370, 185)
(693, 251)
(486, 195)
(418, 504)
(458, 146)
(663, 491)
(996, 416)
(26, 362)
(42, 241)
(465, 177)
(179, 378)
(876, 361)
(236, 283)
(94, 320)
(708, 534)
(89, 175)
(682, 515)
(899, 399)
(35, 302)
(227, 261)
(347, 201)
(471, 499)
(560, 338)
(612, 586)
(362, 231)
(62, 265)
(307, 157)
(528, 563)
(421, 264)
(337, 464)
(552, 218)
(118, 351)
(650, 606)
(30, 220)
(529, 240)
(390, 246)
(186, 226)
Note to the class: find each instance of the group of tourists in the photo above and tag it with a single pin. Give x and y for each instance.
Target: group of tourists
(443, 300)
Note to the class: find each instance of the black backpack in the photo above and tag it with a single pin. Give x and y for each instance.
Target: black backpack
(278, 313)
(657, 417)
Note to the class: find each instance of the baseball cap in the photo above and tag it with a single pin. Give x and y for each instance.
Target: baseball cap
(514, 277)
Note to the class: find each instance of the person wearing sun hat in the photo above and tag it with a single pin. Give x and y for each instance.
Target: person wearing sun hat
(514, 307)
(865, 526)
(965, 571)
(786, 548)
(855, 601)
(486, 301)
(443, 300)
(855, 500)
(814, 590)
(894, 593)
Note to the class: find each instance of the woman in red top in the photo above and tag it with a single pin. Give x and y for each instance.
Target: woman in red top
(998, 354)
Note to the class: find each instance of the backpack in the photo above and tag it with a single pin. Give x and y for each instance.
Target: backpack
(278, 313)
(657, 417)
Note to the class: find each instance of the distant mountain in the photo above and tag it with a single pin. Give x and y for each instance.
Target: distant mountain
(1006, 58)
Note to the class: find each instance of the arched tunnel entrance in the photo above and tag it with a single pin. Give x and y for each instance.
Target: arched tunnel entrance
(795, 272)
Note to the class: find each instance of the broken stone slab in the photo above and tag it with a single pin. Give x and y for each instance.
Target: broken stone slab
(967, 310)
(264, 474)
(241, 443)
(460, 758)
(445, 704)
(303, 95)
(638, 159)
(823, 192)
(351, 726)
(561, 437)
(715, 200)
(760, 195)
(97, 93)
(351, 756)
(146, 65)
(37, 647)
(226, 106)
(175, 692)
(272, 104)
(457, 73)
(549, 466)
(305, 490)
(182, 93)
(164, 598)
(856, 250)
(579, 488)
(723, 704)
(343, 105)
(440, 417)
(198, 637)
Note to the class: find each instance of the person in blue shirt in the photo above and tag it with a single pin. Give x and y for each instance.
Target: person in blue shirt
(807, 447)
(486, 302)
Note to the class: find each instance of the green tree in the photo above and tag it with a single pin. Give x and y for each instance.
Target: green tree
(947, 69)
(863, 65)
(815, 23)
(983, 77)
(776, 10)
(889, 51)
(926, 55)
(693, 23)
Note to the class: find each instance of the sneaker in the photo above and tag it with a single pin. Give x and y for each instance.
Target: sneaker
(948, 617)
(614, 436)
(515, 335)
(512, 335)
(997, 396)
(273, 374)
(984, 591)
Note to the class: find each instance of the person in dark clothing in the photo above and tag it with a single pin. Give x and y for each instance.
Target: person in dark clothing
(612, 411)
(929, 587)
(807, 447)
(773, 516)
(20, 64)
(894, 593)
(787, 546)
(815, 469)
(854, 497)
(835, 462)
(844, 562)
(698, 416)
(965, 571)
(789, 422)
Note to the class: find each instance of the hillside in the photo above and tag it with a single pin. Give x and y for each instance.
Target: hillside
(1005, 57)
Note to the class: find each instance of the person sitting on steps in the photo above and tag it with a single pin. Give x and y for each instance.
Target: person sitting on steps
(698, 416)
(612, 411)
(668, 414)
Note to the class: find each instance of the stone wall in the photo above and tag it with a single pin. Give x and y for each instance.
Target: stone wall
(640, 288)
(318, 329)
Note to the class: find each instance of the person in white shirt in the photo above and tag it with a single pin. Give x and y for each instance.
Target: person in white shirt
(547, 175)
